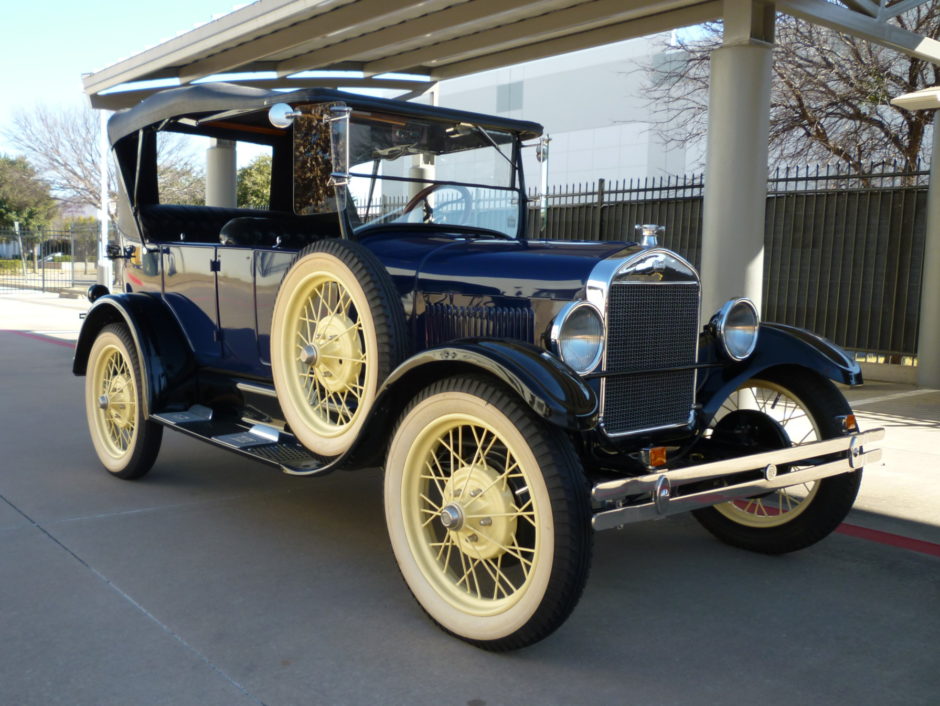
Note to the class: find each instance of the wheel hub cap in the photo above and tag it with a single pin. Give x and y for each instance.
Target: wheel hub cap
(452, 517)
(479, 509)
(337, 353)
(117, 402)
(309, 355)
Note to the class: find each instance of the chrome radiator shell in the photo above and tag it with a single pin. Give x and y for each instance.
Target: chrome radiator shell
(651, 302)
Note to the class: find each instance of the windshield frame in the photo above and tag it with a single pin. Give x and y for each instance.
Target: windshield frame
(515, 182)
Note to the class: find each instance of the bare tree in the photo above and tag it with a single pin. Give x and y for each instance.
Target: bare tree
(62, 143)
(830, 98)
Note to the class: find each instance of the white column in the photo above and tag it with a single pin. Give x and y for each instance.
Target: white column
(105, 276)
(736, 167)
(220, 174)
(928, 339)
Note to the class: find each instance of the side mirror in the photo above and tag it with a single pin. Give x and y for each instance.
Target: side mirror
(281, 115)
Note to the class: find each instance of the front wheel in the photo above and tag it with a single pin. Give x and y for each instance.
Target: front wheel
(488, 514)
(779, 409)
(126, 442)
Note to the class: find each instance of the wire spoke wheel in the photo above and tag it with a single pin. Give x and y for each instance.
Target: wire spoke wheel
(782, 408)
(332, 355)
(779, 404)
(337, 332)
(117, 400)
(471, 517)
(488, 514)
(126, 443)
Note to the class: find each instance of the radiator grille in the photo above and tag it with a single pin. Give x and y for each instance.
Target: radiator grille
(650, 326)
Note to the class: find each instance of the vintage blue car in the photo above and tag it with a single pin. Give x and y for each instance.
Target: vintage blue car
(384, 308)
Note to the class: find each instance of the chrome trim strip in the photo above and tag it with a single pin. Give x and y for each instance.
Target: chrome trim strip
(644, 430)
(256, 389)
(766, 463)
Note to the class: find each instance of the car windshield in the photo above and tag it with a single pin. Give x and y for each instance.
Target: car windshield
(408, 170)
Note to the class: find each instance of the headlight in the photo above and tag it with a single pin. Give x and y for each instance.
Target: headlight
(578, 336)
(736, 326)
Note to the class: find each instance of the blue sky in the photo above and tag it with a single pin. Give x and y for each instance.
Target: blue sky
(46, 45)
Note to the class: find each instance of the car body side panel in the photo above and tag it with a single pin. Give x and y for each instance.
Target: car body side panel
(189, 288)
(237, 319)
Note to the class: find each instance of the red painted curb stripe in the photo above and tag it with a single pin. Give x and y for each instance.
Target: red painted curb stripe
(40, 337)
(892, 540)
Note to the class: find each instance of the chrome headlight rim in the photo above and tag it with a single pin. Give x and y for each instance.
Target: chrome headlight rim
(720, 325)
(557, 332)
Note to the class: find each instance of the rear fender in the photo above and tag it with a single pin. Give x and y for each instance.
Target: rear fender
(166, 361)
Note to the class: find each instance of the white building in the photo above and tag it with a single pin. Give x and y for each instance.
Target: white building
(592, 105)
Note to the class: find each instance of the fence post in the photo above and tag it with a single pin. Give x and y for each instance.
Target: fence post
(42, 262)
(599, 208)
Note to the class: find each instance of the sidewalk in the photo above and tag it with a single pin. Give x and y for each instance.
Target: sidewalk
(899, 496)
(41, 313)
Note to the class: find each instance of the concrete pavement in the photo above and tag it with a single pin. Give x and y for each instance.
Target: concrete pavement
(215, 580)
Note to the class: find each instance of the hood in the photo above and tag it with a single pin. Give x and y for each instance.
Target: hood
(527, 268)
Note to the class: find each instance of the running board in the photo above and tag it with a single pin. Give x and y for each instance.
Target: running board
(259, 441)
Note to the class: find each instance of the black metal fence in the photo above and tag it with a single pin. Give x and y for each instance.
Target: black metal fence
(843, 251)
(48, 260)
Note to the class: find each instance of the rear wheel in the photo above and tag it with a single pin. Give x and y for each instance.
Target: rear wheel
(488, 514)
(126, 443)
(784, 408)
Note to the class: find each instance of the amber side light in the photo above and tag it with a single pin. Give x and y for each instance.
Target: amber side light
(849, 423)
(654, 456)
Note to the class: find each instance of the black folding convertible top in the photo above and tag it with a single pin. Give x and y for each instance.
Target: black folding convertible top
(209, 98)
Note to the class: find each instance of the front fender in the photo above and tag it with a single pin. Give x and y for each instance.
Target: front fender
(166, 360)
(778, 345)
(550, 388)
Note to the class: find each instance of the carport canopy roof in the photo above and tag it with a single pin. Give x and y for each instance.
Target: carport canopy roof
(408, 44)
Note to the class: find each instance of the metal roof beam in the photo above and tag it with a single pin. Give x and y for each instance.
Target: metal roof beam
(127, 99)
(695, 14)
(897, 8)
(868, 28)
(260, 16)
(359, 17)
(866, 6)
(458, 18)
(527, 31)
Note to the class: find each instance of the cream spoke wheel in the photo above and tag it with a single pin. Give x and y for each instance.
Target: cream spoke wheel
(776, 403)
(126, 442)
(337, 331)
(474, 525)
(781, 408)
(478, 464)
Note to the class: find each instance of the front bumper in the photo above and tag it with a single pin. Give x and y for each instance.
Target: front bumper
(660, 494)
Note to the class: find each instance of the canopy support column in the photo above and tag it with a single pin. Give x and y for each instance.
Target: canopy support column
(105, 275)
(928, 341)
(221, 173)
(736, 171)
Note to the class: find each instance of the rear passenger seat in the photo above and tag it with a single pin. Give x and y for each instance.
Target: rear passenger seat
(235, 226)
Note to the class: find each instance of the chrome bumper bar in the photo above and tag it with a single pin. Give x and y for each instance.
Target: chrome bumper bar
(654, 495)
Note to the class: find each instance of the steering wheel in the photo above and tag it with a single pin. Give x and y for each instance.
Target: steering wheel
(458, 216)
